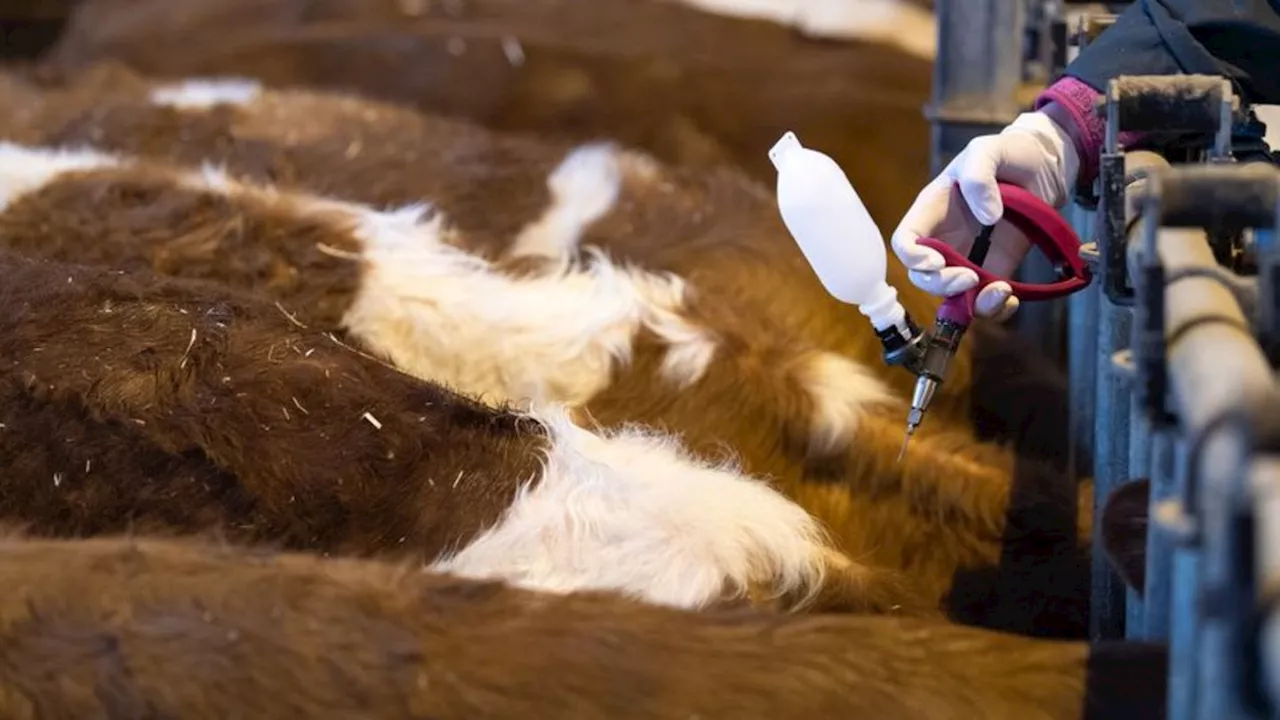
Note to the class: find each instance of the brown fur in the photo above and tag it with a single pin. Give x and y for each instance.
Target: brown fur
(153, 628)
(669, 79)
(37, 8)
(1124, 519)
(110, 419)
(713, 227)
(31, 27)
(1020, 397)
(134, 401)
(952, 493)
(638, 71)
(691, 87)
(956, 507)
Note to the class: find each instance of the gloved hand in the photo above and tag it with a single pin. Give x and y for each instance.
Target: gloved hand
(1033, 152)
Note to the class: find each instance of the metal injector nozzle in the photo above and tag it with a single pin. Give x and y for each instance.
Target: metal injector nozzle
(949, 327)
(939, 349)
(920, 399)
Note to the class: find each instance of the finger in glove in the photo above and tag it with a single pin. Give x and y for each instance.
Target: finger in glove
(945, 282)
(996, 301)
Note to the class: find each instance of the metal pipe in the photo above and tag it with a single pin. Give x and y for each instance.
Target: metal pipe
(1082, 349)
(1265, 495)
(1140, 442)
(1242, 196)
(1110, 461)
(977, 72)
(1215, 365)
(1183, 607)
(1215, 369)
(1111, 418)
(1161, 543)
(1226, 589)
(1265, 482)
(1212, 366)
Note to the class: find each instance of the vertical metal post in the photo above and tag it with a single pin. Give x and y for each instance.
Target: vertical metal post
(1166, 464)
(1222, 591)
(1082, 351)
(977, 72)
(1140, 456)
(1266, 503)
(1110, 461)
(1182, 634)
(1054, 326)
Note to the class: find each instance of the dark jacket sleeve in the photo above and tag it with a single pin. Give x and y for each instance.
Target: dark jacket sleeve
(1212, 37)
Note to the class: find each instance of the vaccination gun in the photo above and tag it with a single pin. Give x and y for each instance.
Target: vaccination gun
(846, 250)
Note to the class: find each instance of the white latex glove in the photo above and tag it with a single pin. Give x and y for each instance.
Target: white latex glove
(1033, 152)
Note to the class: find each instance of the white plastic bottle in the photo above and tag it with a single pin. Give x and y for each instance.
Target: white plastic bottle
(835, 232)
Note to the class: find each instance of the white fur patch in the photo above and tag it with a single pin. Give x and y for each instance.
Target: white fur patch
(631, 512)
(908, 27)
(638, 167)
(783, 12)
(690, 347)
(203, 93)
(448, 316)
(584, 187)
(445, 315)
(24, 169)
(842, 391)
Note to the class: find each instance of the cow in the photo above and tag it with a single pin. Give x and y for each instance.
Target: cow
(161, 405)
(708, 356)
(140, 627)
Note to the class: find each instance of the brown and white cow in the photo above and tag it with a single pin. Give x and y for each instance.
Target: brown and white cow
(459, 293)
(148, 627)
(129, 400)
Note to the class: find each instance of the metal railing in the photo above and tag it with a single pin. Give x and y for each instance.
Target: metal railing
(1178, 340)
(1172, 352)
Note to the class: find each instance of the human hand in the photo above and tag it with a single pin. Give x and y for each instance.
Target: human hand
(1033, 152)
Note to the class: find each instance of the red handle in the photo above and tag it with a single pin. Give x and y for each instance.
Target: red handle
(1046, 230)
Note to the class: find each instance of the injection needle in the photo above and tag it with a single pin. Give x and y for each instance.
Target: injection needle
(906, 438)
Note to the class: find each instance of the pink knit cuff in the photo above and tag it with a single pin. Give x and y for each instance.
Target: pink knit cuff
(1080, 101)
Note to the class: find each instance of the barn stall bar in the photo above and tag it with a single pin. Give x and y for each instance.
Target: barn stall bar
(1173, 365)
